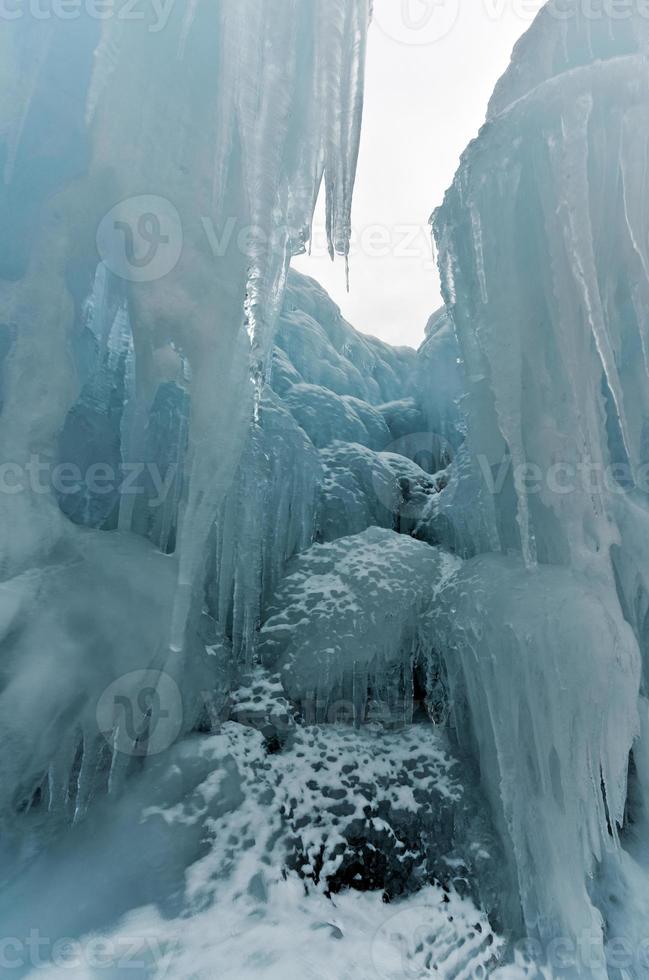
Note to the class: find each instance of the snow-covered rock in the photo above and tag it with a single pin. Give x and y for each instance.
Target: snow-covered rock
(342, 627)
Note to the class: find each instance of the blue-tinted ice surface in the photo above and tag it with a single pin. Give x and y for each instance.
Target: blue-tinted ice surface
(319, 657)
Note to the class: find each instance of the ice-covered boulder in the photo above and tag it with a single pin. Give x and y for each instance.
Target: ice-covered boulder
(543, 675)
(327, 351)
(362, 488)
(327, 417)
(228, 856)
(342, 627)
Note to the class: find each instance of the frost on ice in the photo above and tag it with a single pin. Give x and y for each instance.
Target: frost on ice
(241, 110)
(543, 242)
(369, 622)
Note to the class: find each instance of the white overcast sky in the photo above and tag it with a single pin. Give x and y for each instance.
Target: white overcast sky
(432, 65)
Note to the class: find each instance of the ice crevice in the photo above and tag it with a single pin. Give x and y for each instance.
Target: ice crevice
(385, 665)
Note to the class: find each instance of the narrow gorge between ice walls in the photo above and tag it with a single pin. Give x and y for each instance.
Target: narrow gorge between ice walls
(320, 658)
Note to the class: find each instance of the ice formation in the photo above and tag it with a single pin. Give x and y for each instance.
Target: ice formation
(542, 247)
(253, 153)
(344, 622)
(345, 616)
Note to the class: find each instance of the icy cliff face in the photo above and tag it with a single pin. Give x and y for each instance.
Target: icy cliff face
(542, 244)
(137, 327)
(276, 104)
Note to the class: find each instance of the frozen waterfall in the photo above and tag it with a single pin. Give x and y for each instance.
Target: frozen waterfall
(307, 639)
(542, 243)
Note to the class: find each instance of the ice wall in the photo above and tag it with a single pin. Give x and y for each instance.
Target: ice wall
(156, 174)
(542, 242)
(242, 109)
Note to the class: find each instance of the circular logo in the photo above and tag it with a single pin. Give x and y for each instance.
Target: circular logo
(141, 713)
(402, 946)
(413, 942)
(416, 22)
(141, 238)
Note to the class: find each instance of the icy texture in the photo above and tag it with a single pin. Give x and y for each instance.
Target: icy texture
(107, 596)
(342, 627)
(568, 35)
(286, 493)
(343, 512)
(440, 382)
(243, 108)
(326, 417)
(542, 673)
(326, 351)
(542, 242)
(284, 113)
(362, 488)
(293, 935)
(221, 827)
(539, 392)
(267, 518)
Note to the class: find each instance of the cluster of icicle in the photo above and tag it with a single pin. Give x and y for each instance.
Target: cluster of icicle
(228, 115)
(232, 111)
(543, 247)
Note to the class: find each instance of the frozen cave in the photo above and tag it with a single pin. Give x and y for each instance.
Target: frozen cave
(321, 659)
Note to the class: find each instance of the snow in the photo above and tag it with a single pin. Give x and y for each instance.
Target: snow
(343, 622)
(358, 938)
(250, 916)
(393, 711)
